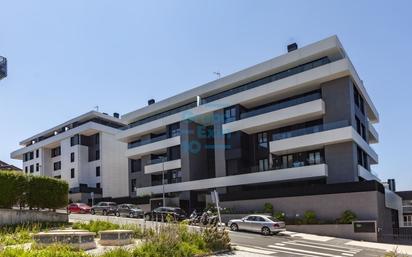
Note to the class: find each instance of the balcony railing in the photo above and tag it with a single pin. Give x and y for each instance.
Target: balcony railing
(147, 141)
(281, 105)
(3, 67)
(310, 130)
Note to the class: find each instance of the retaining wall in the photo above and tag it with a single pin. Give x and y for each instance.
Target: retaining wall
(11, 217)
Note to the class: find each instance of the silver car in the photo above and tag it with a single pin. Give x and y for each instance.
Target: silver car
(266, 225)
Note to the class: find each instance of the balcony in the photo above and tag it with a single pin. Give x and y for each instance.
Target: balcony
(373, 135)
(147, 141)
(314, 138)
(158, 166)
(3, 67)
(152, 147)
(261, 122)
(291, 174)
(366, 174)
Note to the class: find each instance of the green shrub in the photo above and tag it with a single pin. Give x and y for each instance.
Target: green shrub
(268, 208)
(51, 251)
(347, 217)
(45, 192)
(35, 191)
(117, 253)
(95, 226)
(309, 217)
(12, 186)
(20, 234)
(279, 215)
(216, 239)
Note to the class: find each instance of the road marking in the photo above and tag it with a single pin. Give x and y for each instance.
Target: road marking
(335, 246)
(302, 251)
(240, 235)
(347, 254)
(280, 244)
(320, 247)
(254, 250)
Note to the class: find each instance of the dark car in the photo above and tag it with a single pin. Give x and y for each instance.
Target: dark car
(78, 208)
(129, 210)
(161, 214)
(104, 208)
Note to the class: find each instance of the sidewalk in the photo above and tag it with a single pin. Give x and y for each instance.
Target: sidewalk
(403, 249)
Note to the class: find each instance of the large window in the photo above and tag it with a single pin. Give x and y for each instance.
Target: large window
(407, 220)
(74, 140)
(71, 157)
(98, 171)
(263, 140)
(133, 185)
(55, 151)
(294, 160)
(359, 102)
(37, 153)
(72, 173)
(363, 158)
(57, 165)
(37, 167)
(135, 165)
(28, 156)
(263, 165)
(230, 114)
(31, 168)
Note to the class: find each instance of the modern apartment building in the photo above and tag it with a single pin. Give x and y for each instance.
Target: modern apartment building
(83, 151)
(295, 131)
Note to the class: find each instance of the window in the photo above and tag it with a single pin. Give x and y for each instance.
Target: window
(97, 185)
(98, 171)
(298, 159)
(71, 157)
(31, 168)
(97, 154)
(174, 129)
(263, 165)
(251, 218)
(74, 140)
(31, 156)
(135, 165)
(37, 167)
(407, 220)
(263, 140)
(96, 139)
(133, 185)
(37, 153)
(230, 114)
(359, 102)
(72, 173)
(55, 151)
(25, 169)
(363, 158)
(57, 165)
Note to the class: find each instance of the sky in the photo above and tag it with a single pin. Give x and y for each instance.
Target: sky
(66, 57)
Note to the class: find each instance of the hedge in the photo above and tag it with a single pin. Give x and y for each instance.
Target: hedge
(33, 191)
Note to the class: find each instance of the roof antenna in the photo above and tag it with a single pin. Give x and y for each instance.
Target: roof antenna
(217, 73)
(96, 108)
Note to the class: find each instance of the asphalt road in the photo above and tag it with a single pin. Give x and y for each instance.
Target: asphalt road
(276, 245)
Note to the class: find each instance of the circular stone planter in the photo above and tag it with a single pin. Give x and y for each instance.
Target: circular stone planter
(79, 239)
(116, 237)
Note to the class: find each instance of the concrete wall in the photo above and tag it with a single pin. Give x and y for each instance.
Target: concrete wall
(327, 207)
(342, 162)
(335, 230)
(10, 217)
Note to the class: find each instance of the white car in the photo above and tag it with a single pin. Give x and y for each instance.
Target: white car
(264, 224)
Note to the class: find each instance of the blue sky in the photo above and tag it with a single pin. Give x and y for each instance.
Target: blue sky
(65, 57)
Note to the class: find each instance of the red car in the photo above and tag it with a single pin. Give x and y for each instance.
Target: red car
(78, 208)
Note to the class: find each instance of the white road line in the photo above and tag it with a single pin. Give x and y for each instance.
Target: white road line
(347, 254)
(280, 244)
(335, 246)
(254, 250)
(319, 247)
(302, 251)
(240, 235)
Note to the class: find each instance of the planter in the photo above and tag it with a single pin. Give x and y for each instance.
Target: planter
(78, 239)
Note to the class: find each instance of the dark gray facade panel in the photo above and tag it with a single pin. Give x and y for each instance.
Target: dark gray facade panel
(220, 160)
(342, 163)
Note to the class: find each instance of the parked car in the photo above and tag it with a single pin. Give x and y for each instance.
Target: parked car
(129, 210)
(105, 208)
(264, 224)
(161, 213)
(78, 208)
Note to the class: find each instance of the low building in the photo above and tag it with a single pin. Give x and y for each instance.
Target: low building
(407, 207)
(5, 166)
(84, 152)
